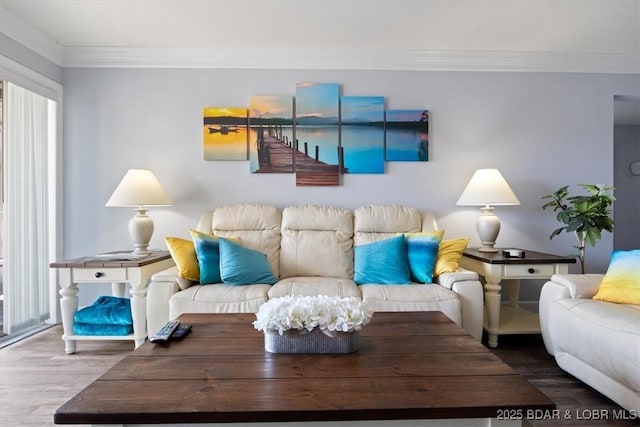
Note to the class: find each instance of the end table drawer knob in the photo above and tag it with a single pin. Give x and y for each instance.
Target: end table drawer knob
(531, 270)
(99, 274)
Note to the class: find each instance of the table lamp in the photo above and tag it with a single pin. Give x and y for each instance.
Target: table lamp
(139, 188)
(487, 188)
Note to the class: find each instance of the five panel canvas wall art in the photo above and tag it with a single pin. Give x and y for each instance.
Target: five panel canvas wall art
(319, 135)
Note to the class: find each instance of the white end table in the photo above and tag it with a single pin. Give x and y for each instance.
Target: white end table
(92, 270)
(508, 318)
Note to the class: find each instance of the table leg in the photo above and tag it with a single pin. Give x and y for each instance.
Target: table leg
(68, 307)
(514, 291)
(139, 310)
(117, 289)
(492, 300)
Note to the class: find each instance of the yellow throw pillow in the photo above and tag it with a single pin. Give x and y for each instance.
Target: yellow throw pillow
(449, 254)
(183, 252)
(621, 284)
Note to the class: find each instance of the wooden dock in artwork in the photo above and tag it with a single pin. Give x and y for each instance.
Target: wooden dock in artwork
(276, 155)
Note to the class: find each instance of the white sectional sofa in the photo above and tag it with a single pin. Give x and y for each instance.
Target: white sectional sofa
(597, 342)
(310, 250)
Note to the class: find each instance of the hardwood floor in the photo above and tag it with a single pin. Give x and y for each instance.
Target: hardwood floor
(578, 404)
(37, 376)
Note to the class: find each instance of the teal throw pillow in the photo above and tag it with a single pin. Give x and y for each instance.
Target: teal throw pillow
(243, 266)
(383, 262)
(208, 254)
(422, 252)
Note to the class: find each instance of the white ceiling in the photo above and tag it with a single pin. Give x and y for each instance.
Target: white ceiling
(600, 26)
(554, 30)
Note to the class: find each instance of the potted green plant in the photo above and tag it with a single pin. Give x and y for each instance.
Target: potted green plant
(585, 215)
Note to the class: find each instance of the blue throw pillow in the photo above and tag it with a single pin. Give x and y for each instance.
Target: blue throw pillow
(383, 262)
(243, 266)
(208, 254)
(422, 252)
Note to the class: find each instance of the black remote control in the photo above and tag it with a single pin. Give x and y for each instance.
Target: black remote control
(181, 332)
(162, 336)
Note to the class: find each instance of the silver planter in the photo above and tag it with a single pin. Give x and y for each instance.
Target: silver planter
(315, 341)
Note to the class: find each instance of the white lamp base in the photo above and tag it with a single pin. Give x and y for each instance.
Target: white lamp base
(140, 231)
(488, 228)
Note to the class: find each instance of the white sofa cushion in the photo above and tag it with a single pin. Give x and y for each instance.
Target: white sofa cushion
(316, 241)
(414, 297)
(373, 223)
(257, 226)
(600, 334)
(309, 286)
(218, 298)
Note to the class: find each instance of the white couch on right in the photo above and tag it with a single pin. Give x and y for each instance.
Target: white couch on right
(595, 341)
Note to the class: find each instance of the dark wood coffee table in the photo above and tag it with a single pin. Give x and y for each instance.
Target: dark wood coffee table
(411, 366)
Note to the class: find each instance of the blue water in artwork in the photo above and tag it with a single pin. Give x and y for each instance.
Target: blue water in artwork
(364, 146)
(363, 149)
(406, 145)
(325, 137)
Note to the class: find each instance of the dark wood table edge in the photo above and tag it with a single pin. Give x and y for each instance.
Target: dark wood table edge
(300, 416)
(531, 257)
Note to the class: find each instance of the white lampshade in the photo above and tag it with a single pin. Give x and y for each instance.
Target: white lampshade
(139, 188)
(488, 188)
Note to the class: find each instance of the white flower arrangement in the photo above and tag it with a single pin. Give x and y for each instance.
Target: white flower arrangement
(306, 313)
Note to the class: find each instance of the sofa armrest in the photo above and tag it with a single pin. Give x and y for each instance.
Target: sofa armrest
(578, 285)
(562, 286)
(448, 279)
(172, 275)
(469, 289)
(162, 287)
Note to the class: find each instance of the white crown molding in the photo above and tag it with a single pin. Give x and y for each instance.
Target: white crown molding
(25, 34)
(349, 59)
(313, 59)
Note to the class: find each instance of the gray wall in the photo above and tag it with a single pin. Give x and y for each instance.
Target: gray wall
(542, 130)
(627, 192)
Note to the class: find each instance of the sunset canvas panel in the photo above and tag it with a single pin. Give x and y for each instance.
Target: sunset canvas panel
(317, 134)
(407, 135)
(225, 133)
(271, 134)
(362, 133)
